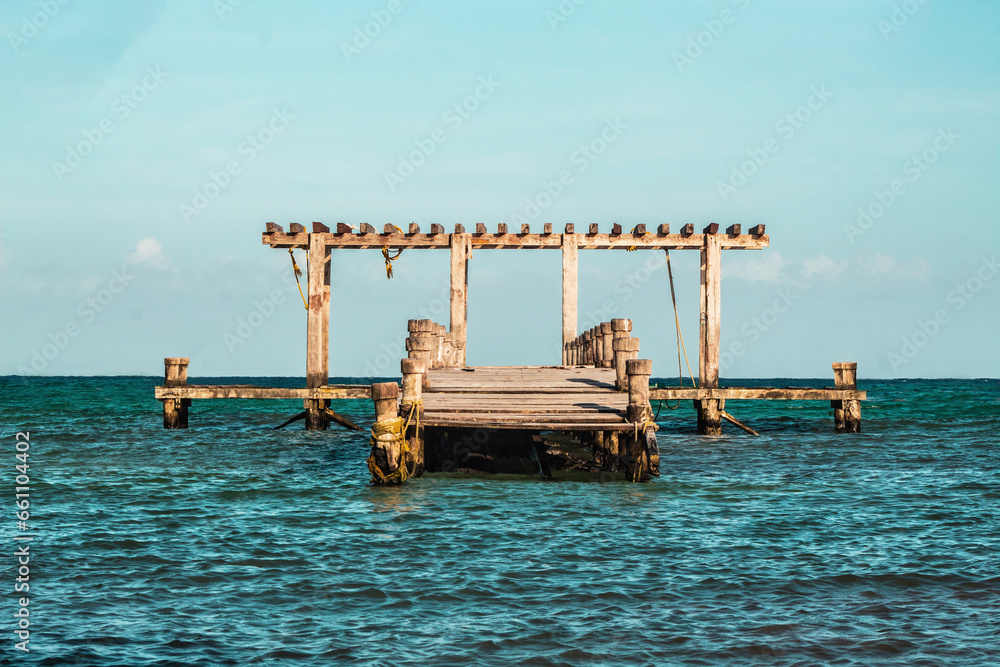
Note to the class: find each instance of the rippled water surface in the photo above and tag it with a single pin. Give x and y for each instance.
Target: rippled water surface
(231, 543)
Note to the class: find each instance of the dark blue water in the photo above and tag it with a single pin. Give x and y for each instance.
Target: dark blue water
(231, 543)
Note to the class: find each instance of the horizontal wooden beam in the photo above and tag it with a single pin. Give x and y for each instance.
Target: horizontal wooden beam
(207, 391)
(649, 241)
(755, 393)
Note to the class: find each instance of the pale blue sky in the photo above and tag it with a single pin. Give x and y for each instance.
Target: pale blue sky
(163, 94)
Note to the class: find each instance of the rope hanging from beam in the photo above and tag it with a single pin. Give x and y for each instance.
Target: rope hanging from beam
(298, 274)
(389, 259)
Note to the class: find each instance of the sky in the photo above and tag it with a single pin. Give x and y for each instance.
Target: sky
(144, 145)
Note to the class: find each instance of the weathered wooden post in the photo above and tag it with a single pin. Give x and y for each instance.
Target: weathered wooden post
(318, 327)
(625, 349)
(569, 287)
(411, 408)
(588, 349)
(460, 243)
(846, 414)
(638, 371)
(386, 463)
(595, 342)
(607, 351)
(424, 330)
(709, 410)
(175, 410)
(642, 443)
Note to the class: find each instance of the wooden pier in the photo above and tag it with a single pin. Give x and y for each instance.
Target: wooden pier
(599, 392)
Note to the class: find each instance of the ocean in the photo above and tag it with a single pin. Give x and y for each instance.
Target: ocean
(231, 543)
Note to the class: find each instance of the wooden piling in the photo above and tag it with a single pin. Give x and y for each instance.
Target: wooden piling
(175, 410)
(624, 349)
(638, 372)
(318, 330)
(569, 289)
(411, 407)
(387, 439)
(846, 414)
(607, 350)
(460, 244)
(588, 349)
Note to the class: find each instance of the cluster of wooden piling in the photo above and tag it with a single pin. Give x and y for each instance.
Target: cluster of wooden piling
(432, 341)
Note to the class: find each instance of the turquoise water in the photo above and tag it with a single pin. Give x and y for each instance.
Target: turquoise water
(231, 543)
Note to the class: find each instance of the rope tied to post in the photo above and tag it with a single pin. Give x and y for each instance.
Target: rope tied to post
(639, 446)
(298, 274)
(390, 257)
(631, 248)
(396, 427)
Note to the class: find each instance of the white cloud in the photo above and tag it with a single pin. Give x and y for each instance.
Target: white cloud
(766, 268)
(148, 251)
(887, 266)
(823, 267)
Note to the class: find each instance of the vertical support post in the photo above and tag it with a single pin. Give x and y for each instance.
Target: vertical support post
(569, 291)
(459, 292)
(318, 330)
(387, 443)
(588, 349)
(625, 349)
(709, 410)
(607, 351)
(638, 371)
(711, 279)
(175, 410)
(413, 371)
(846, 414)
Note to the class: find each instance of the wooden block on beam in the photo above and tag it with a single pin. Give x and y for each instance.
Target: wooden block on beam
(525, 229)
(274, 229)
(688, 229)
(342, 228)
(711, 229)
(480, 228)
(734, 230)
(366, 229)
(640, 230)
(437, 229)
(502, 228)
(757, 230)
(593, 229)
(616, 229)
(296, 228)
(459, 229)
(414, 228)
(569, 228)
(663, 229)
(547, 228)
(388, 229)
(320, 228)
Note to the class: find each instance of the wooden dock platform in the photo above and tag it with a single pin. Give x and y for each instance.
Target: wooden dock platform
(533, 398)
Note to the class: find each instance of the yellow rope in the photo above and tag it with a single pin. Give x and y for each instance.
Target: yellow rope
(631, 248)
(298, 272)
(397, 428)
(388, 259)
(638, 448)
